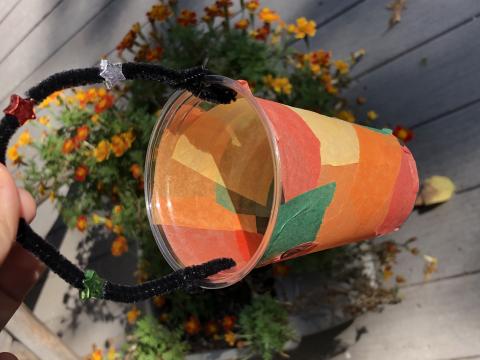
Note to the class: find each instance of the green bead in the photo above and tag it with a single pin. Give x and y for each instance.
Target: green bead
(93, 286)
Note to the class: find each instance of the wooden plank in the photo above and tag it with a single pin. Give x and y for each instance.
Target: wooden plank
(21, 21)
(50, 35)
(450, 232)
(366, 26)
(435, 321)
(6, 7)
(25, 327)
(407, 92)
(322, 12)
(449, 146)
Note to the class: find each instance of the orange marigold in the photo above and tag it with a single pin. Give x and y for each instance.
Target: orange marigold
(268, 15)
(133, 315)
(119, 246)
(68, 146)
(187, 17)
(82, 223)
(102, 151)
(105, 103)
(228, 322)
(252, 5)
(136, 171)
(82, 134)
(192, 326)
(242, 24)
(211, 328)
(159, 13)
(81, 173)
(118, 145)
(403, 133)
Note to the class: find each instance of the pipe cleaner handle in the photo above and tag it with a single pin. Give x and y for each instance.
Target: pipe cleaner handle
(89, 283)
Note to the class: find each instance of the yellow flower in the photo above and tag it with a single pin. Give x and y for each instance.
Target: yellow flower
(342, 67)
(372, 115)
(252, 5)
(13, 155)
(132, 315)
(96, 355)
(315, 68)
(95, 118)
(25, 138)
(268, 15)
(230, 338)
(128, 137)
(112, 353)
(346, 115)
(43, 120)
(242, 24)
(53, 98)
(102, 151)
(303, 28)
(118, 145)
(117, 229)
(97, 219)
(279, 85)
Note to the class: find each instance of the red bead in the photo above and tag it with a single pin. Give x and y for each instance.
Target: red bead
(21, 108)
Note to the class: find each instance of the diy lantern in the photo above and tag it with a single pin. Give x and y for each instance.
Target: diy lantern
(261, 182)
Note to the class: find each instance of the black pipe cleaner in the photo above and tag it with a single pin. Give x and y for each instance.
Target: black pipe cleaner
(90, 284)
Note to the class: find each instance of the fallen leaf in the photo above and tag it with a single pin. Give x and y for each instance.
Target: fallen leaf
(396, 7)
(435, 190)
(431, 266)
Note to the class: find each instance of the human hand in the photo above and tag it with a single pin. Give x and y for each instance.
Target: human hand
(19, 269)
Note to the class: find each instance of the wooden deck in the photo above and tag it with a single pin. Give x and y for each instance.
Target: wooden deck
(422, 73)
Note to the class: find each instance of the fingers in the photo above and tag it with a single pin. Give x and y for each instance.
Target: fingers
(9, 212)
(28, 208)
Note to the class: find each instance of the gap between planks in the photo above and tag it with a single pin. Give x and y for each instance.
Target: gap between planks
(445, 278)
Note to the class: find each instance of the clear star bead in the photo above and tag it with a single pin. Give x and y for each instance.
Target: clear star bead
(112, 73)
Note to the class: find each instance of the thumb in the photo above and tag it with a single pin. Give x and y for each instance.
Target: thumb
(9, 212)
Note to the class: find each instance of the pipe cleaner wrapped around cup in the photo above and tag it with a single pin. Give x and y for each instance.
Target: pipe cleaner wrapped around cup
(261, 182)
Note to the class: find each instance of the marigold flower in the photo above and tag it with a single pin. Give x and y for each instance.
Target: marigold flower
(372, 115)
(342, 67)
(242, 24)
(25, 138)
(82, 134)
(211, 328)
(128, 137)
(118, 145)
(105, 103)
(303, 28)
(261, 33)
(403, 133)
(81, 173)
(279, 84)
(96, 354)
(320, 57)
(68, 146)
(212, 11)
(192, 326)
(52, 98)
(95, 118)
(159, 301)
(268, 15)
(187, 17)
(82, 223)
(346, 115)
(108, 224)
(127, 41)
(119, 246)
(102, 151)
(43, 120)
(117, 229)
(230, 338)
(133, 315)
(159, 13)
(117, 209)
(228, 322)
(252, 5)
(13, 155)
(154, 54)
(136, 171)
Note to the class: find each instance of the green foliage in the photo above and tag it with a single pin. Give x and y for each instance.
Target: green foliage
(151, 341)
(264, 325)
